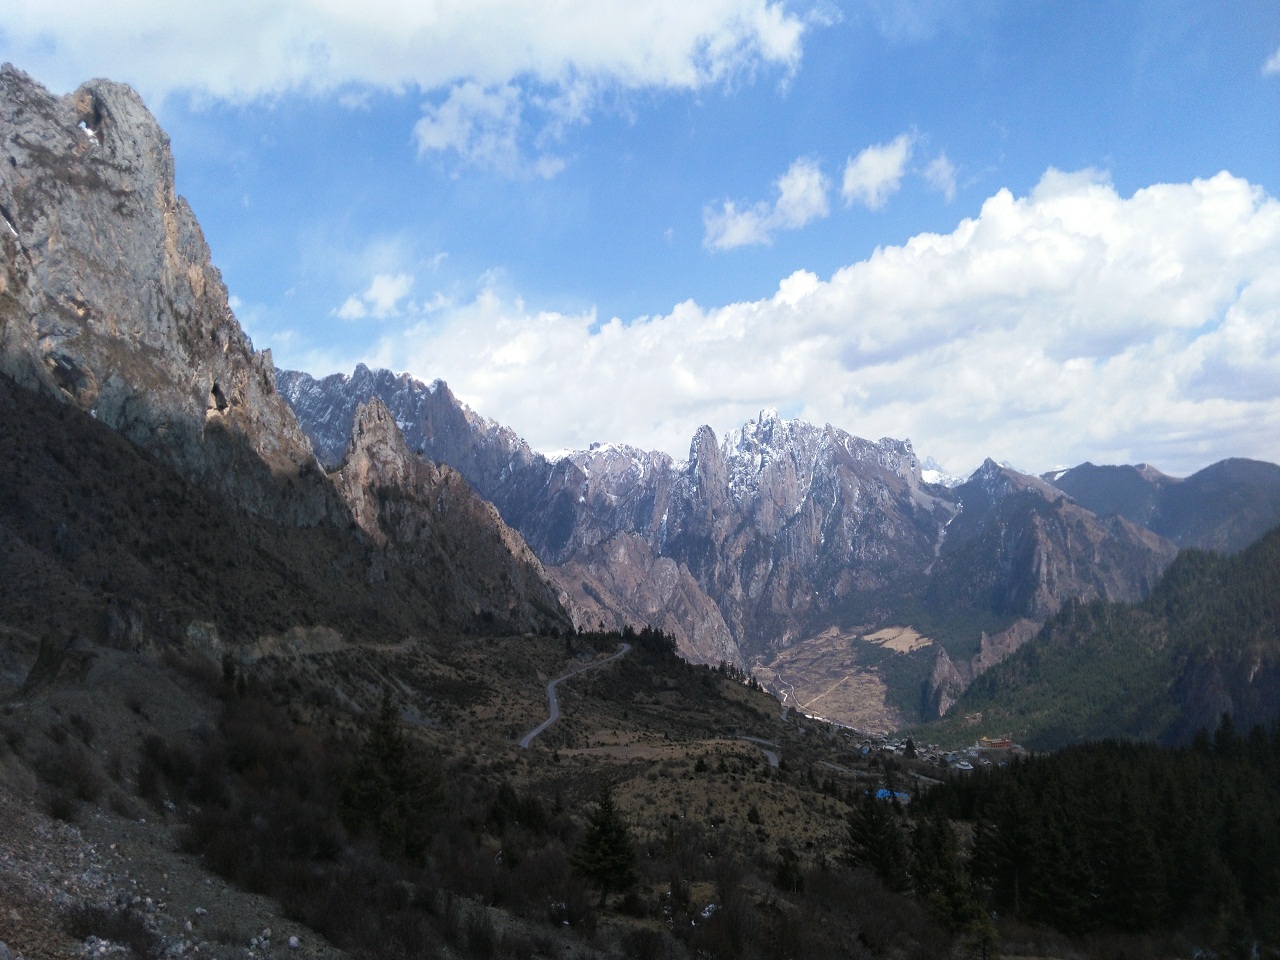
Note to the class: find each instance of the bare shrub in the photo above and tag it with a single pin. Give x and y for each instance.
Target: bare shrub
(70, 767)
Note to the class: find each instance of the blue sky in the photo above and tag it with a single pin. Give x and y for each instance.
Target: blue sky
(995, 227)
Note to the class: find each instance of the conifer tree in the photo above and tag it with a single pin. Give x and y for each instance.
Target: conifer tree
(938, 875)
(605, 856)
(389, 791)
(875, 842)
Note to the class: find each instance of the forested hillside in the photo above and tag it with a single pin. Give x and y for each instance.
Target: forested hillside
(1206, 642)
(1116, 838)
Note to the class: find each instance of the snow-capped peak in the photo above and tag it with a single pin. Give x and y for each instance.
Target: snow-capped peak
(931, 471)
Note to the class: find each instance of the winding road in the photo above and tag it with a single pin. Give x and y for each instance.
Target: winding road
(527, 739)
(764, 746)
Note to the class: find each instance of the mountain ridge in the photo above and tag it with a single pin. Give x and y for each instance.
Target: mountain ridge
(785, 530)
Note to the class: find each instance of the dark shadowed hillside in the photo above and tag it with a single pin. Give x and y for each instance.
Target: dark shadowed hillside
(1224, 507)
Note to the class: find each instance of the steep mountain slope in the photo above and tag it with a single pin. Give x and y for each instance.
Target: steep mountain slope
(104, 541)
(1017, 550)
(1224, 507)
(773, 524)
(435, 522)
(1206, 642)
(109, 303)
(1019, 547)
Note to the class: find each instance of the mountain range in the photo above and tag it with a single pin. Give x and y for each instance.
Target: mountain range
(289, 633)
(827, 564)
(785, 533)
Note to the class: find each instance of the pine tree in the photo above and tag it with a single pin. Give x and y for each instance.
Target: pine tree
(605, 856)
(875, 842)
(389, 791)
(938, 875)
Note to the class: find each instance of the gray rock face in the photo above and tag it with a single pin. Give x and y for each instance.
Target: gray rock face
(1021, 548)
(108, 298)
(432, 518)
(774, 525)
(622, 583)
(109, 302)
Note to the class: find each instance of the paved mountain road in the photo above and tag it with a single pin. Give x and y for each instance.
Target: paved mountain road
(554, 701)
(764, 745)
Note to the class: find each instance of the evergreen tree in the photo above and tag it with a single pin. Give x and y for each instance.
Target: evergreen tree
(605, 856)
(389, 790)
(788, 875)
(938, 875)
(875, 841)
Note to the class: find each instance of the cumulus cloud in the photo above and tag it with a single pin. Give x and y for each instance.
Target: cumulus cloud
(380, 300)
(1272, 65)
(875, 174)
(940, 174)
(1069, 324)
(500, 74)
(481, 125)
(802, 198)
(244, 49)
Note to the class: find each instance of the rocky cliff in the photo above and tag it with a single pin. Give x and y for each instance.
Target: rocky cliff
(109, 303)
(433, 520)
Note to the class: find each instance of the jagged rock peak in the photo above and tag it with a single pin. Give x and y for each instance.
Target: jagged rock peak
(767, 433)
(375, 428)
(707, 459)
(363, 374)
(1001, 480)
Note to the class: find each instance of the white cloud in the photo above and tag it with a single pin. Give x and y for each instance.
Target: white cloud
(500, 73)
(875, 174)
(353, 100)
(380, 300)
(244, 49)
(916, 20)
(940, 174)
(802, 198)
(481, 125)
(1272, 65)
(1069, 324)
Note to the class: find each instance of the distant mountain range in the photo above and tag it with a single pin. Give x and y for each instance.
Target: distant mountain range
(784, 532)
(1224, 507)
